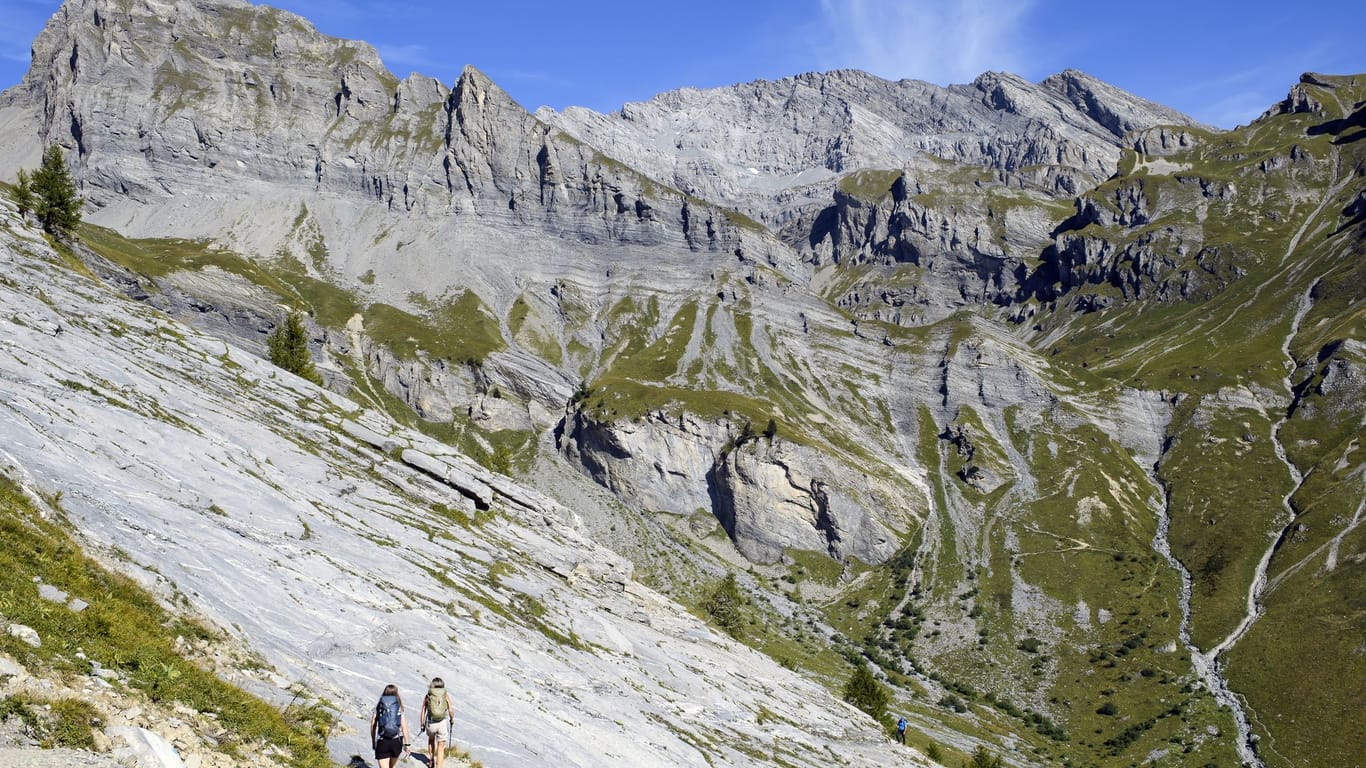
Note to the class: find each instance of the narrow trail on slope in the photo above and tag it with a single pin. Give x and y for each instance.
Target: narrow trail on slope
(1330, 562)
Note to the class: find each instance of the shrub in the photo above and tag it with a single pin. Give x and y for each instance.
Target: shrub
(288, 345)
(865, 692)
(724, 606)
(23, 193)
(54, 194)
(982, 758)
(72, 720)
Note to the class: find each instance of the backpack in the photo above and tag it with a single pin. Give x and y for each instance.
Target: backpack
(387, 717)
(436, 705)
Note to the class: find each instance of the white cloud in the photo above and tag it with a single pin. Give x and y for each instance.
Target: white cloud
(944, 41)
(1237, 109)
(415, 56)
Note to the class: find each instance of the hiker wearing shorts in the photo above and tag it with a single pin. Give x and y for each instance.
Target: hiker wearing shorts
(437, 718)
(389, 728)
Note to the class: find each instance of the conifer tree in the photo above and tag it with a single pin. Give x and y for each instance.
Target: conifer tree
(865, 692)
(288, 345)
(23, 193)
(981, 758)
(54, 194)
(724, 605)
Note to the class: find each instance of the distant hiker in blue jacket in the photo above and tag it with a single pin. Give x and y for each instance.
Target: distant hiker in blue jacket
(388, 728)
(437, 718)
(901, 730)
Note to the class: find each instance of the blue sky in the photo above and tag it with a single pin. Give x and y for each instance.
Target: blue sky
(1222, 62)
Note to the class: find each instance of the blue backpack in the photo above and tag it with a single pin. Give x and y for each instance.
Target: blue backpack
(387, 717)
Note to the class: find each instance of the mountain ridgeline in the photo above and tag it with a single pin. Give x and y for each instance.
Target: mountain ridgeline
(1042, 399)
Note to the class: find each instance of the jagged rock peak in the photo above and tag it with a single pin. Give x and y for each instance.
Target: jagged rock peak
(1117, 110)
(1304, 96)
(236, 28)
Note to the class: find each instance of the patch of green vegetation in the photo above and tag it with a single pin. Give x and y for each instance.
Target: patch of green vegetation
(640, 360)
(870, 185)
(737, 219)
(125, 629)
(330, 305)
(64, 723)
(725, 606)
(421, 132)
(307, 231)
(184, 86)
(1311, 612)
(1221, 522)
(462, 330)
(818, 567)
(508, 451)
(532, 332)
(253, 28)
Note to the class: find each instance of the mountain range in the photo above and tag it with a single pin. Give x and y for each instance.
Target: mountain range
(1040, 400)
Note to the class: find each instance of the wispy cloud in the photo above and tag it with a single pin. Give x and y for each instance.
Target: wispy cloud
(940, 41)
(1237, 109)
(415, 56)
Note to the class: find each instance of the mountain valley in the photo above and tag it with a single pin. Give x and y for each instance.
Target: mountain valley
(1040, 401)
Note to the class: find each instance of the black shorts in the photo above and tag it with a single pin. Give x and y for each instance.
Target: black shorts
(389, 748)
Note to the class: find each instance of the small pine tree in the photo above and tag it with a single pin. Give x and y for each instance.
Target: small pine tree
(288, 345)
(23, 193)
(865, 692)
(54, 194)
(724, 605)
(981, 758)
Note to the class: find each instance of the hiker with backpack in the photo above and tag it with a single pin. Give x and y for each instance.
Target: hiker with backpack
(389, 728)
(901, 730)
(437, 720)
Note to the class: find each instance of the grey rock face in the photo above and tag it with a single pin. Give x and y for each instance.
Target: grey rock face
(769, 494)
(244, 125)
(387, 565)
(755, 145)
(1118, 111)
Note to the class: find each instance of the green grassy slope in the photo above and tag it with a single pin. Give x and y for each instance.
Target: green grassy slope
(127, 630)
(1234, 286)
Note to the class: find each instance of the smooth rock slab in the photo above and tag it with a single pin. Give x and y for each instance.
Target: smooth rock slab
(143, 748)
(27, 634)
